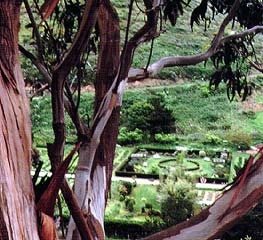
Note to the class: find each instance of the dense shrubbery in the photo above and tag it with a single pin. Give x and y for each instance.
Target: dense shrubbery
(178, 201)
(239, 139)
(165, 138)
(128, 137)
(200, 117)
(150, 114)
(178, 195)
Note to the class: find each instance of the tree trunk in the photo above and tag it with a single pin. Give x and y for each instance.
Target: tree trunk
(96, 157)
(17, 207)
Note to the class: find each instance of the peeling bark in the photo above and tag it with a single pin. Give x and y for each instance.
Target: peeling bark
(94, 171)
(96, 157)
(17, 207)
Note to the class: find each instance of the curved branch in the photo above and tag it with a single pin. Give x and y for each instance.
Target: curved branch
(144, 34)
(156, 67)
(81, 40)
(257, 66)
(172, 61)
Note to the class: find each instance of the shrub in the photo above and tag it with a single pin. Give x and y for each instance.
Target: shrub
(165, 138)
(239, 139)
(161, 118)
(125, 189)
(129, 137)
(212, 139)
(138, 116)
(150, 115)
(178, 201)
(129, 203)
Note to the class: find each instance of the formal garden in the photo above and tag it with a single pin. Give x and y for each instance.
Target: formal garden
(175, 160)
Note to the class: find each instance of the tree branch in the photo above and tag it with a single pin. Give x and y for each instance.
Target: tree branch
(81, 40)
(41, 68)
(257, 66)
(155, 68)
(35, 30)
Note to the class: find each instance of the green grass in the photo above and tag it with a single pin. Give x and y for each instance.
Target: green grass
(145, 194)
(142, 194)
(203, 119)
(255, 124)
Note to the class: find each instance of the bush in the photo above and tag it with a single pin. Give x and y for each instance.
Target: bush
(138, 116)
(149, 114)
(165, 138)
(125, 189)
(239, 139)
(129, 137)
(212, 139)
(178, 202)
(161, 118)
(129, 203)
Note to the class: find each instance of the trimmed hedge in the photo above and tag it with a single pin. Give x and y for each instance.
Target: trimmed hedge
(135, 174)
(126, 230)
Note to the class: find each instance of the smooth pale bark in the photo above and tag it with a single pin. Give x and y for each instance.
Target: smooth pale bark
(94, 170)
(17, 207)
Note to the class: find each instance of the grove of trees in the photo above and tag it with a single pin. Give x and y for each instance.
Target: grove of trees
(64, 34)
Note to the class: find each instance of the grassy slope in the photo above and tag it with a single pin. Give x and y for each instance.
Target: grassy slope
(176, 40)
(198, 113)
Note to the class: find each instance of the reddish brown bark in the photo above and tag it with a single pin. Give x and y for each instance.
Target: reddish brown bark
(108, 64)
(17, 207)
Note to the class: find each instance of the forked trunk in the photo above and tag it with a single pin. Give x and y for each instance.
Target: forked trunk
(17, 207)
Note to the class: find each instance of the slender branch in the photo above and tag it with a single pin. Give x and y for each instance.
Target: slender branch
(144, 34)
(150, 55)
(69, 105)
(46, 203)
(35, 31)
(171, 61)
(40, 90)
(187, 60)
(254, 30)
(41, 68)
(257, 66)
(81, 40)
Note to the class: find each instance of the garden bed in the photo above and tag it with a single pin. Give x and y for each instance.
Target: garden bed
(150, 163)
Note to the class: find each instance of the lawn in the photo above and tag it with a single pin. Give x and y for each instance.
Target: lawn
(142, 194)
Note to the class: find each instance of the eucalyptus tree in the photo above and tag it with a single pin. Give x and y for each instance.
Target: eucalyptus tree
(64, 34)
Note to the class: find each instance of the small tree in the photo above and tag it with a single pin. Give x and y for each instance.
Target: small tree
(178, 201)
(150, 115)
(178, 195)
